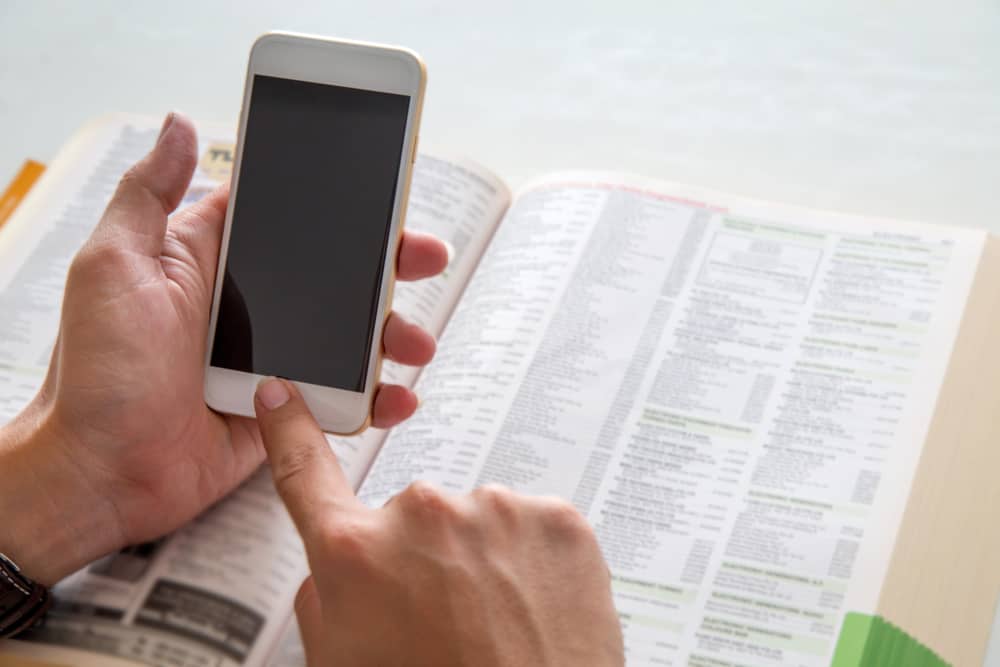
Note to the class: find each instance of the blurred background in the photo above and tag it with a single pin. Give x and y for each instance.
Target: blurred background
(882, 108)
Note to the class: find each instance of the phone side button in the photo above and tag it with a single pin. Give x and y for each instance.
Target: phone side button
(416, 140)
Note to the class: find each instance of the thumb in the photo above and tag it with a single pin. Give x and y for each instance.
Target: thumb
(305, 469)
(136, 217)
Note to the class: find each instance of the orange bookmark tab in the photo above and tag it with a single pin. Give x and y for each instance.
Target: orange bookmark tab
(19, 188)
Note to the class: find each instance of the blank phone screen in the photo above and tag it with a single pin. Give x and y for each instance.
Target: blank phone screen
(310, 228)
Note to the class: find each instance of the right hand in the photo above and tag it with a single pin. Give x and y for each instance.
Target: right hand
(491, 578)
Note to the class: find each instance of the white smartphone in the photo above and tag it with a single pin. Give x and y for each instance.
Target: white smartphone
(327, 139)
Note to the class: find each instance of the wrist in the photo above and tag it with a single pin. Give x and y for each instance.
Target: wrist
(58, 521)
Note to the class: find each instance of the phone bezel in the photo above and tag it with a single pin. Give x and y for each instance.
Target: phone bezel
(344, 63)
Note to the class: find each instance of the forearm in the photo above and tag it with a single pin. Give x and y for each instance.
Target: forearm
(52, 520)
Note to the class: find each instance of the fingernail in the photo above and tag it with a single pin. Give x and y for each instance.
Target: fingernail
(272, 393)
(450, 249)
(167, 123)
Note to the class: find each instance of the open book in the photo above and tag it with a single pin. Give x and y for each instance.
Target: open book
(779, 421)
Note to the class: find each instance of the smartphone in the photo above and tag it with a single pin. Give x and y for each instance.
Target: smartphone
(327, 139)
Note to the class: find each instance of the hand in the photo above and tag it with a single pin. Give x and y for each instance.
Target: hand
(119, 447)
(487, 579)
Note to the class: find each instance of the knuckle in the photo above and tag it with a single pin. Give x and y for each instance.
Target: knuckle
(81, 267)
(347, 545)
(428, 502)
(133, 180)
(135, 183)
(96, 260)
(306, 597)
(291, 462)
(497, 499)
(132, 177)
(566, 520)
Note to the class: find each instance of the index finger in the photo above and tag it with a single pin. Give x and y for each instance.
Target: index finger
(421, 256)
(306, 472)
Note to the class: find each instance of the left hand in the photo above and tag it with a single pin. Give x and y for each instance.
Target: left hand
(119, 447)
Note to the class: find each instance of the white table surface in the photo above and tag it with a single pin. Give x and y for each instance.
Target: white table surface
(884, 108)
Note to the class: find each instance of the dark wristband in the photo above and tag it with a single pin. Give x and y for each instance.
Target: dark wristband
(23, 602)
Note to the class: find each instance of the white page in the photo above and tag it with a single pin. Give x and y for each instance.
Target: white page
(735, 393)
(220, 590)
